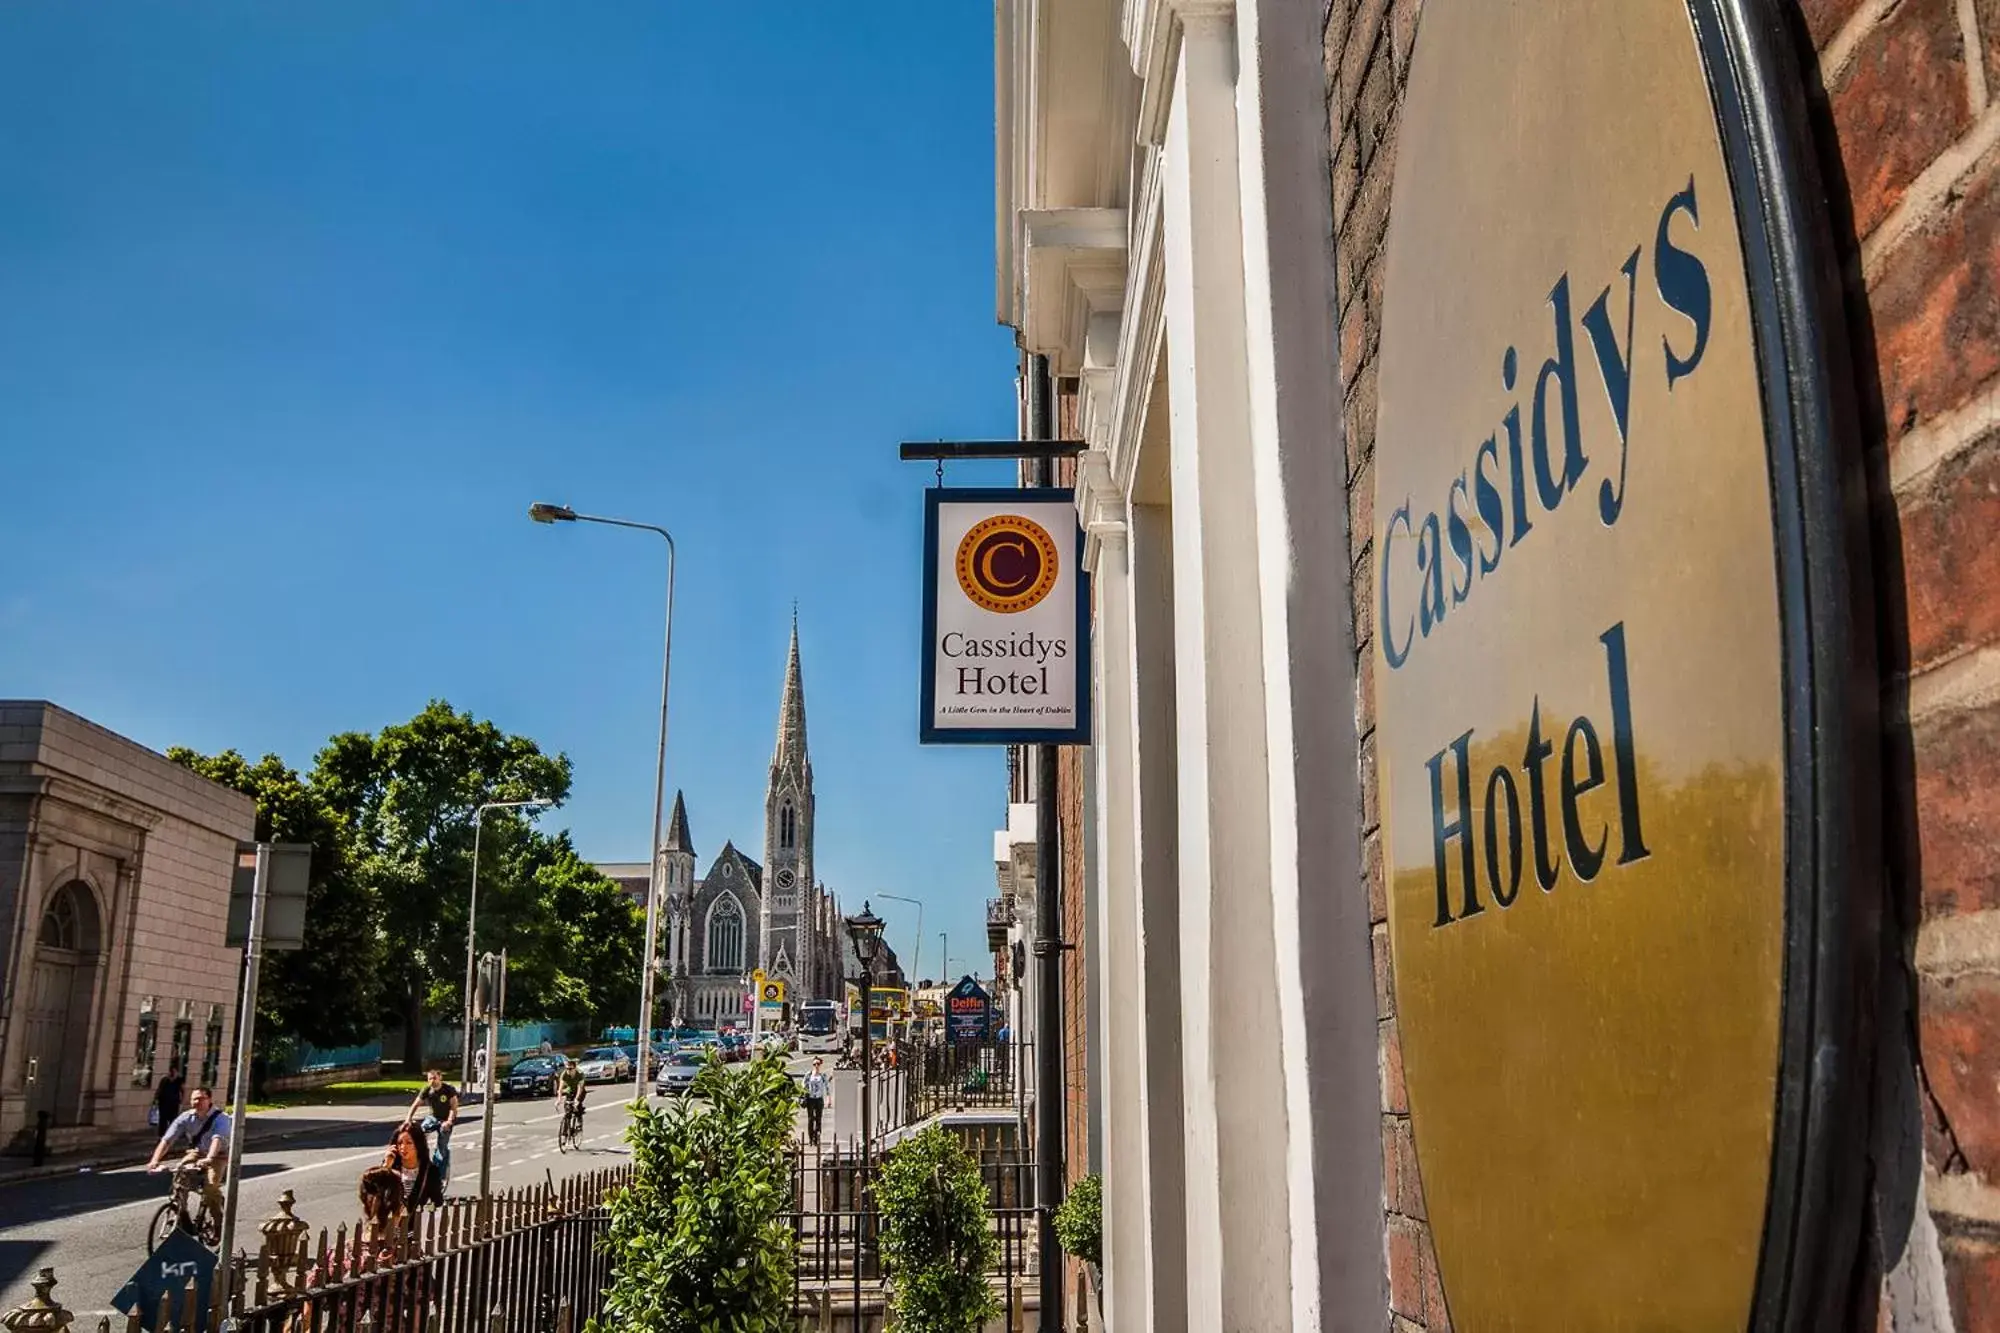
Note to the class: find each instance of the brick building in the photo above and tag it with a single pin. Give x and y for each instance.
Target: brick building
(1196, 204)
(115, 867)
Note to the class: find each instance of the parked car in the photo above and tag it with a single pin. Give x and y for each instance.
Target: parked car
(605, 1064)
(533, 1077)
(653, 1053)
(677, 1074)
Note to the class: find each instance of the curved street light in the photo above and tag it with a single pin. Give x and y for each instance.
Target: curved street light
(916, 969)
(542, 512)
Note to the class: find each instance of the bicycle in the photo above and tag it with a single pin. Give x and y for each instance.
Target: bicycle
(570, 1126)
(204, 1225)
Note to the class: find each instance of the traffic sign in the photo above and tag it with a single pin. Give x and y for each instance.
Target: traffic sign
(772, 992)
(181, 1259)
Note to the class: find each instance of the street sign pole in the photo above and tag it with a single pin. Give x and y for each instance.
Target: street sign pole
(246, 1024)
(494, 993)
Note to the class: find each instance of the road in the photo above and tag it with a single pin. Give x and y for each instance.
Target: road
(90, 1226)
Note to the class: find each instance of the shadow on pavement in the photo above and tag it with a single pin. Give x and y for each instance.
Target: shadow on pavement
(58, 1197)
(18, 1258)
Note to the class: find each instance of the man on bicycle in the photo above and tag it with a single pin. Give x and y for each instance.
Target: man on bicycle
(571, 1088)
(439, 1102)
(203, 1129)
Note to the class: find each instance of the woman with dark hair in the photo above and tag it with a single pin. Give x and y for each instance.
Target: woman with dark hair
(410, 1157)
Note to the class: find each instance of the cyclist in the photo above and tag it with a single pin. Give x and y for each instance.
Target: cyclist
(439, 1102)
(202, 1129)
(571, 1088)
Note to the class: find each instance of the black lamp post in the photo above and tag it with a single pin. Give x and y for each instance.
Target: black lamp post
(866, 932)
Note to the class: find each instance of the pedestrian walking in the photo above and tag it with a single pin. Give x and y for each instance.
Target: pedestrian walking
(819, 1091)
(167, 1098)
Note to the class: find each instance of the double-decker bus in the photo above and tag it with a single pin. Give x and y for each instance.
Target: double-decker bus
(888, 1011)
(819, 1028)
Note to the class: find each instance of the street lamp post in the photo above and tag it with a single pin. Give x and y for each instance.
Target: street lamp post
(472, 922)
(916, 953)
(866, 932)
(551, 513)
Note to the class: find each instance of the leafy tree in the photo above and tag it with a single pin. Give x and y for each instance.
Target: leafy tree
(935, 1235)
(1079, 1220)
(699, 1240)
(329, 992)
(409, 792)
(600, 933)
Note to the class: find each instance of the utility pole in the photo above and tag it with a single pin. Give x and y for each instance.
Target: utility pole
(246, 1026)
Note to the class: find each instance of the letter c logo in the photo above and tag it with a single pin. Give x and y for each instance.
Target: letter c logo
(1007, 563)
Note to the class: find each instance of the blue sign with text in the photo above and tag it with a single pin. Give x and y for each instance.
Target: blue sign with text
(167, 1271)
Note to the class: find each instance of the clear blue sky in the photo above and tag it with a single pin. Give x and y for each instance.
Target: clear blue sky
(302, 304)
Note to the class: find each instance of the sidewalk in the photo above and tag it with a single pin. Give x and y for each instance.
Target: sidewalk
(262, 1129)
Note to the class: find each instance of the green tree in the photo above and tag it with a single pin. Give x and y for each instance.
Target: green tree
(1079, 1220)
(329, 992)
(409, 792)
(935, 1237)
(699, 1240)
(599, 933)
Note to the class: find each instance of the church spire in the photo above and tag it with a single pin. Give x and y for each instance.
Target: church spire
(678, 837)
(791, 750)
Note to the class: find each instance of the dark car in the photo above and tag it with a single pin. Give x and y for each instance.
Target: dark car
(532, 1077)
(735, 1047)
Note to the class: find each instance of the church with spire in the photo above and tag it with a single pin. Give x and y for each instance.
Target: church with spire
(745, 914)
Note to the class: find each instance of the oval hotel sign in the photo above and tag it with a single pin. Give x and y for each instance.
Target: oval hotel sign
(1610, 606)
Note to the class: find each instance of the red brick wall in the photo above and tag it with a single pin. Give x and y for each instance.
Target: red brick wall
(1910, 142)
(1071, 767)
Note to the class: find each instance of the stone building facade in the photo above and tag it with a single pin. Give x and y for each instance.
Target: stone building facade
(1194, 201)
(115, 866)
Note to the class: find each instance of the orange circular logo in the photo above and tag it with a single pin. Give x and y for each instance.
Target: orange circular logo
(1007, 563)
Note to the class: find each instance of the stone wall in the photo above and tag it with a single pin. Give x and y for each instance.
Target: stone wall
(1909, 142)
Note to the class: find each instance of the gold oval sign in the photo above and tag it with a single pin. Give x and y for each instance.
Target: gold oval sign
(1580, 682)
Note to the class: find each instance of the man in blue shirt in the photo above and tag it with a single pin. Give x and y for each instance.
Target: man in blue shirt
(204, 1130)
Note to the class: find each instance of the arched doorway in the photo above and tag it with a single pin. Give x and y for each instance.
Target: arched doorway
(62, 981)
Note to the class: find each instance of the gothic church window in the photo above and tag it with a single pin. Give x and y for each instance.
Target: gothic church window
(725, 935)
(787, 826)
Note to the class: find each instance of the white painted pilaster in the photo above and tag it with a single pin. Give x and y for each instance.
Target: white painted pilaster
(1115, 967)
(1320, 914)
(1156, 840)
(1239, 1258)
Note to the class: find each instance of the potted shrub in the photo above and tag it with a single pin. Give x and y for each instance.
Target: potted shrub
(936, 1242)
(699, 1239)
(1080, 1224)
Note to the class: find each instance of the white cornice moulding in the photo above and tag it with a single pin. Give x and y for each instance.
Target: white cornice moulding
(1100, 504)
(1153, 36)
(1074, 268)
(1116, 419)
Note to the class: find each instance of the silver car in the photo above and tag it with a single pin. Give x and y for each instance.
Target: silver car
(605, 1064)
(678, 1073)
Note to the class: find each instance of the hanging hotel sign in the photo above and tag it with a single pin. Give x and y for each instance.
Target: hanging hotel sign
(1006, 618)
(1612, 661)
